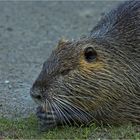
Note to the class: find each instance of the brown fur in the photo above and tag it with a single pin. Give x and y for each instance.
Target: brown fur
(106, 90)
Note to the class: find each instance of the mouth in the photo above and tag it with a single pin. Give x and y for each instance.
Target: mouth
(53, 117)
(46, 116)
(46, 120)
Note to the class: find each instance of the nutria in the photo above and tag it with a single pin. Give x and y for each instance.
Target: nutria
(96, 78)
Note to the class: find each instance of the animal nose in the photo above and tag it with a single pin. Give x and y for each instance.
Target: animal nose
(36, 95)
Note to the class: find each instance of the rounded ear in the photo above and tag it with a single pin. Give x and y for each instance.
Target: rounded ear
(62, 42)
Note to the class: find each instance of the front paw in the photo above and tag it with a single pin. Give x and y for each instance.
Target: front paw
(46, 120)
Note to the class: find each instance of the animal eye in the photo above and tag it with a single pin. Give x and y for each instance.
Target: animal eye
(90, 54)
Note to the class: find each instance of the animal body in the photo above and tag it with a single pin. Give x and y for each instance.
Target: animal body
(96, 78)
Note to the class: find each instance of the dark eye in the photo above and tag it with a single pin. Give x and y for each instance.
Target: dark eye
(90, 54)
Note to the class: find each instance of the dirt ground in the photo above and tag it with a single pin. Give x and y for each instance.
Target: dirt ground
(28, 33)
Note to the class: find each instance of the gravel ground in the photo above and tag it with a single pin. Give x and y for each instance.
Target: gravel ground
(28, 33)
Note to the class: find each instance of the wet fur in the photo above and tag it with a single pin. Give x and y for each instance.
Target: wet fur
(105, 91)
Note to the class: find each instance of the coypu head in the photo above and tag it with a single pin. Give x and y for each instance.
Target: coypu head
(95, 78)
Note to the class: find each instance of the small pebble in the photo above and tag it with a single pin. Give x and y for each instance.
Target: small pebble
(7, 82)
(14, 98)
(9, 86)
(9, 29)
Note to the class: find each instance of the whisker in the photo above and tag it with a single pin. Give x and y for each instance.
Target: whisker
(78, 97)
(62, 115)
(64, 112)
(66, 107)
(58, 112)
(79, 113)
(52, 112)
